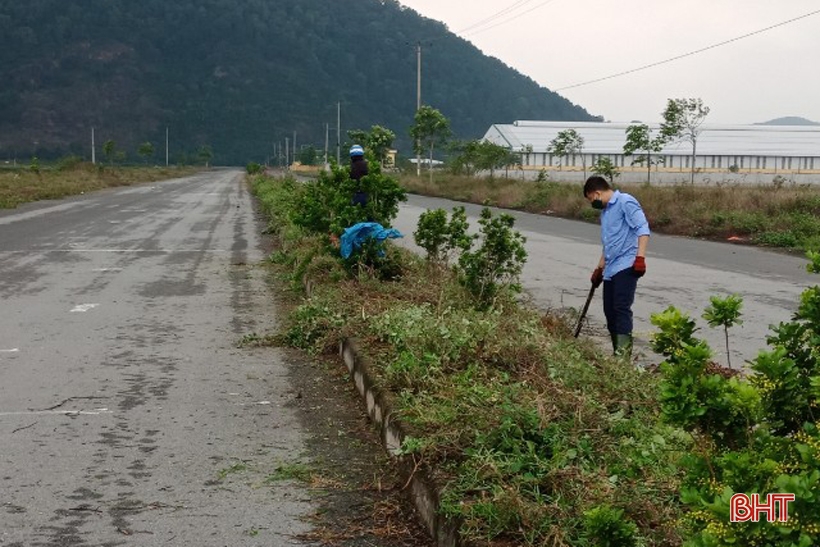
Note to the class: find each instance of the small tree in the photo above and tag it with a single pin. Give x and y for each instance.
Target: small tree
(724, 312)
(109, 149)
(430, 129)
(491, 156)
(308, 155)
(682, 121)
(639, 138)
(205, 154)
(463, 157)
(568, 143)
(146, 150)
(603, 166)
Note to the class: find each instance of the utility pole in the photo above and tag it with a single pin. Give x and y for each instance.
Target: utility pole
(418, 103)
(166, 146)
(287, 152)
(327, 142)
(338, 132)
(93, 149)
(294, 146)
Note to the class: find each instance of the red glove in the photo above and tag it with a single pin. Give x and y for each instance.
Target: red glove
(639, 267)
(597, 277)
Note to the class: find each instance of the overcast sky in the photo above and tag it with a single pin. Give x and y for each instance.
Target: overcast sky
(559, 43)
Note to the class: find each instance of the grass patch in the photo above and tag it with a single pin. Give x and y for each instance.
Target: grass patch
(290, 472)
(774, 215)
(535, 437)
(238, 467)
(23, 185)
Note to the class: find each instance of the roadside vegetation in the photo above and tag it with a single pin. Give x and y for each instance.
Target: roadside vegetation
(778, 215)
(535, 437)
(70, 176)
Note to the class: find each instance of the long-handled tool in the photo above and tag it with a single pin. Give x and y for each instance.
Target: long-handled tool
(584, 311)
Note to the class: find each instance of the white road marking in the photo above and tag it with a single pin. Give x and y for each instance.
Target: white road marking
(81, 308)
(95, 412)
(107, 270)
(12, 350)
(154, 251)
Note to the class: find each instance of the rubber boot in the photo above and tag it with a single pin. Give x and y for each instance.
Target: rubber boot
(623, 345)
(612, 336)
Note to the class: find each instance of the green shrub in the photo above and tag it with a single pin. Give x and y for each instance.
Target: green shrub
(312, 322)
(67, 163)
(325, 205)
(440, 237)
(753, 436)
(607, 527)
(785, 239)
(254, 168)
(496, 265)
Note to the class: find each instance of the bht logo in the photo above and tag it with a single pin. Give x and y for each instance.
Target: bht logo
(744, 509)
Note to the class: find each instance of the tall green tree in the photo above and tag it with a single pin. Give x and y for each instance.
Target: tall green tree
(639, 138)
(430, 128)
(568, 143)
(682, 119)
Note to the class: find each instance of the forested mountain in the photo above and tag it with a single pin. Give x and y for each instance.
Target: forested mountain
(239, 75)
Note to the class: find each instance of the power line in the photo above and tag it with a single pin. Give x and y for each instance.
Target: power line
(504, 11)
(513, 18)
(689, 54)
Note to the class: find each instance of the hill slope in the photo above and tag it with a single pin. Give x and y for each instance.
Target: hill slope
(789, 120)
(239, 75)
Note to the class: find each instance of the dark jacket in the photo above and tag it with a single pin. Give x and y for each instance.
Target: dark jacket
(358, 167)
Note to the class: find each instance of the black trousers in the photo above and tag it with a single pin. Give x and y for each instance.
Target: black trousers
(619, 295)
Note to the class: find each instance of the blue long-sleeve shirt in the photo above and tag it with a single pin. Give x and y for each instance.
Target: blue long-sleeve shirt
(622, 223)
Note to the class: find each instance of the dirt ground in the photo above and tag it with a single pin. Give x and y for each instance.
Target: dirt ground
(362, 503)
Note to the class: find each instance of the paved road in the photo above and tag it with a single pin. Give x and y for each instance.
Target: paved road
(128, 416)
(681, 272)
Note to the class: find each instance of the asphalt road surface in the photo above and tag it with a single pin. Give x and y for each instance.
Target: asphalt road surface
(680, 272)
(128, 413)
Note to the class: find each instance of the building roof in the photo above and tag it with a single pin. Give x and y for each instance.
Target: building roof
(713, 140)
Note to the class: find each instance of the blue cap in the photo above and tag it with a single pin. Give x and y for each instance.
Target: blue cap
(356, 150)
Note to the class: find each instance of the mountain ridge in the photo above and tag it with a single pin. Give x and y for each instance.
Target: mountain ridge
(241, 75)
(789, 120)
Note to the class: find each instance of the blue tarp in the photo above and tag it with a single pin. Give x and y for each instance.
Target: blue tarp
(356, 235)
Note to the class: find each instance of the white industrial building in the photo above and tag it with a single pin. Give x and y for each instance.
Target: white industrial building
(725, 153)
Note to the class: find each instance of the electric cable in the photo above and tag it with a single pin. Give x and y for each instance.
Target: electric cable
(689, 54)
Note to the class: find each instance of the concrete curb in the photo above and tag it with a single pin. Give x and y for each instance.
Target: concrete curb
(423, 492)
(420, 487)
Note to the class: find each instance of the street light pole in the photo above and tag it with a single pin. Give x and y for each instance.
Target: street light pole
(338, 132)
(418, 103)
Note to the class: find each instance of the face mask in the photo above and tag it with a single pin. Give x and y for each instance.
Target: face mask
(597, 204)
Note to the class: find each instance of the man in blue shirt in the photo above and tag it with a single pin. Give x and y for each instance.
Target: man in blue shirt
(625, 235)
